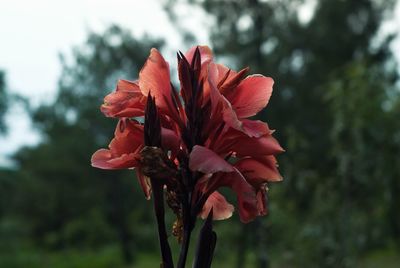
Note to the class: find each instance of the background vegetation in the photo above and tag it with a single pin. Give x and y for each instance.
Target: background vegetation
(335, 107)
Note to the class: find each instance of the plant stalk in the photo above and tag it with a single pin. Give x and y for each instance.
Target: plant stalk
(188, 224)
(158, 197)
(184, 248)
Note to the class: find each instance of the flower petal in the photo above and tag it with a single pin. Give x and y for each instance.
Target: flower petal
(265, 145)
(123, 150)
(126, 101)
(235, 141)
(251, 95)
(220, 105)
(154, 78)
(205, 54)
(206, 161)
(255, 128)
(245, 193)
(104, 159)
(222, 209)
(170, 140)
(128, 86)
(257, 173)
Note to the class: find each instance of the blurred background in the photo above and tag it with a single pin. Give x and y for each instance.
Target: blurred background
(335, 107)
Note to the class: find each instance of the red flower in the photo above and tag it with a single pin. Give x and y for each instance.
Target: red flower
(208, 139)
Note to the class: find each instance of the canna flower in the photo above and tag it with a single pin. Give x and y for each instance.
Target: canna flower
(202, 140)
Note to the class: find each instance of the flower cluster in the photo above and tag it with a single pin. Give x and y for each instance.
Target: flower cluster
(197, 141)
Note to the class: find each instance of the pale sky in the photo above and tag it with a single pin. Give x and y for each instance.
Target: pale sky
(33, 33)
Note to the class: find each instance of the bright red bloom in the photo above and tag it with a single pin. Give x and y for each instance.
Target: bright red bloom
(208, 139)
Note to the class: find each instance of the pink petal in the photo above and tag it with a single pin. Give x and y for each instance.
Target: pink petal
(228, 84)
(255, 128)
(211, 88)
(245, 193)
(251, 95)
(126, 101)
(265, 145)
(229, 113)
(123, 150)
(170, 140)
(154, 78)
(222, 209)
(205, 53)
(219, 104)
(206, 161)
(230, 116)
(105, 160)
(269, 161)
(224, 73)
(236, 141)
(128, 86)
(256, 173)
(248, 146)
(128, 137)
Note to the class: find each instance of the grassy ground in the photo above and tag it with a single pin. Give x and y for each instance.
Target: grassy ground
(109, 257)
(105, 258)
(389, 258)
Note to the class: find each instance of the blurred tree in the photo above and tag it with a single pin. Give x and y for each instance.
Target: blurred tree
(334, 74)
(362, 139)
(3, 102)
(65, 200)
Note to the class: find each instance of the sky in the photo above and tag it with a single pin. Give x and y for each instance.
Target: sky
(33, 33)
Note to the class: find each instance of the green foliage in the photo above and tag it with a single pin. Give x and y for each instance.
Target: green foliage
(102, 258)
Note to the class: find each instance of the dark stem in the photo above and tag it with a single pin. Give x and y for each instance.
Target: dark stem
(188, 224)
(206, 244)
(158, 197)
